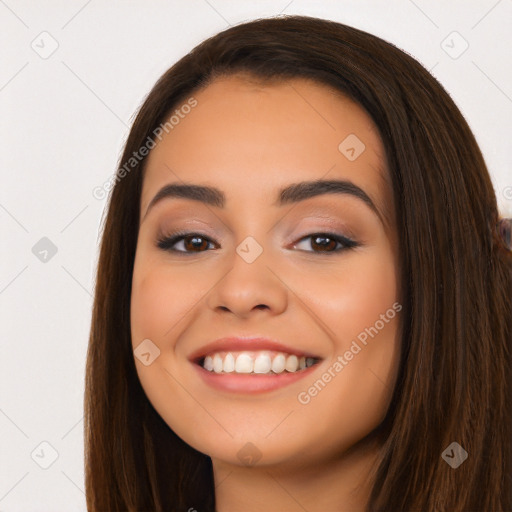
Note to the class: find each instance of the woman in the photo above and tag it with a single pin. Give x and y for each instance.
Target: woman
(303, 296)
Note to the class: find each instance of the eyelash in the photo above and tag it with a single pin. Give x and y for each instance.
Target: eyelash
(167, 242)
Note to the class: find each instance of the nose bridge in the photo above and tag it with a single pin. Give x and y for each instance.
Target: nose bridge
(250, 249)
(252, 230)
(251, 262)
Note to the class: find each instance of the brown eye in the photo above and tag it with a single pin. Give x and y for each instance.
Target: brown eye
(195, 243)
(192, 242)
(328, 242)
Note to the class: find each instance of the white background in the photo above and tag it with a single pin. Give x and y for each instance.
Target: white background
(63, 121)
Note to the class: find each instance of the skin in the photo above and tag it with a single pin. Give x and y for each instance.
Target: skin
(249, 141)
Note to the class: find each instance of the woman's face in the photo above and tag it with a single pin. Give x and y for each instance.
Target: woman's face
(260, 265)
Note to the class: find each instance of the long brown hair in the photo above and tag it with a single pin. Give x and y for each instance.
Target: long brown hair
(454, 382)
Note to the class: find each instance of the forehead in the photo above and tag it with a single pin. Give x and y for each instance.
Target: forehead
(250, 139)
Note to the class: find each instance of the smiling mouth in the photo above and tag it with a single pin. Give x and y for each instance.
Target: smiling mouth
(260, 362)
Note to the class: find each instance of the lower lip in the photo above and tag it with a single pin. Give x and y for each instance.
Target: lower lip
(251, 383)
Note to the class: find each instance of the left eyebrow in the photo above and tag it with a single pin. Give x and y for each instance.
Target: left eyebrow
(290, 194)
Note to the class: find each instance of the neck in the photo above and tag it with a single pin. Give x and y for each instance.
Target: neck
(342, 483)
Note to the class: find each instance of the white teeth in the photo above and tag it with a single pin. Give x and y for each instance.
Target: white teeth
(278, 363)
(208, 363)
(263, 362)
(217, 363)
(229, 363)
(292, 363)
(244, 363)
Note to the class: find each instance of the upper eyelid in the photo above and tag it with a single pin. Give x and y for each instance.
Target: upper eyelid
(317, 214)
(332, 224)
(183, 233)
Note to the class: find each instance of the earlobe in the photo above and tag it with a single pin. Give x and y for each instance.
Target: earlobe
(504, 229)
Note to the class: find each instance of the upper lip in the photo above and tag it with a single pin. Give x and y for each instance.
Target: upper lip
(238, 344)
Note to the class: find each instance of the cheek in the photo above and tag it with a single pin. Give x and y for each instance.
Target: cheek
(147, 305)
(352, 297)
(359, 309)
(160, 298)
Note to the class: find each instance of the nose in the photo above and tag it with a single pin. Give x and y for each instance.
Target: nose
(249, 287)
